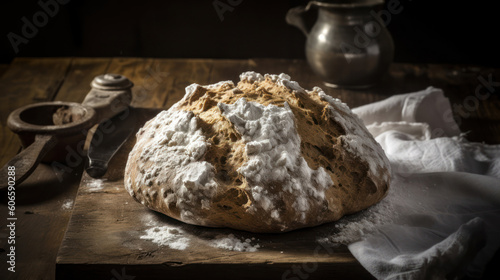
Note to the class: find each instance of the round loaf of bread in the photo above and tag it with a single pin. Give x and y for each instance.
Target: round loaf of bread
(263, 156)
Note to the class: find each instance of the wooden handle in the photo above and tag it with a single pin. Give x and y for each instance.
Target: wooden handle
(26, 161)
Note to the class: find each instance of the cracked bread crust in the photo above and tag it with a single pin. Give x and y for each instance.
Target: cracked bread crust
(262, 156)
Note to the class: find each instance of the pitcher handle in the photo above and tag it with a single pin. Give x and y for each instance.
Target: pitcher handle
(295, 17)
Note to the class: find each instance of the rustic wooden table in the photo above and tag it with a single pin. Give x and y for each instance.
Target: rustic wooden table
(44, 203)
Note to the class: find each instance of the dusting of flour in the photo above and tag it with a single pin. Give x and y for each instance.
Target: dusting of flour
(95, 185)
(172, 237)
(67, 204)
(232, 243)
(176, 238)
(177, 143)
(272, 145)
(281, 79)
(173, 143)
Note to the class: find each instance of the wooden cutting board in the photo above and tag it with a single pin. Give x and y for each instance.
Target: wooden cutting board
(103, 241)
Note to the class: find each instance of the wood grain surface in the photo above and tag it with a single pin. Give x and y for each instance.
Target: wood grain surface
(105, 231)
(46, 200)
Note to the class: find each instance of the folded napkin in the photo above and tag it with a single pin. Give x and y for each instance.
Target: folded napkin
(444, 197)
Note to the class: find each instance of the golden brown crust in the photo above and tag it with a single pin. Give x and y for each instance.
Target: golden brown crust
(319, 124)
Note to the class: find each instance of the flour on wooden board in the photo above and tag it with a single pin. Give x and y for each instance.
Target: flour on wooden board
(176, 238)
(233, 243)
(94, 185)
(67, 204)
(172, 237)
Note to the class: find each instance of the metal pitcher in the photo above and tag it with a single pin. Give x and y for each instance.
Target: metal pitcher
(349, 45)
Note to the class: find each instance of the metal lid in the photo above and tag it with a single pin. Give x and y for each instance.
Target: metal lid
(111, 81)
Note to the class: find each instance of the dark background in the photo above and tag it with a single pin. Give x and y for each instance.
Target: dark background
(425, 31)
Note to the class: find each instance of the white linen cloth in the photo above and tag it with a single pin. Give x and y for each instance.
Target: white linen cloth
(445, 191)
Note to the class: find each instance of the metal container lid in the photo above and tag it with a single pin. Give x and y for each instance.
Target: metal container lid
(111, 82)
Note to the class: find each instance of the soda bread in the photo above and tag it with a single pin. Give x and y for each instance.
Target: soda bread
(265, 155)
